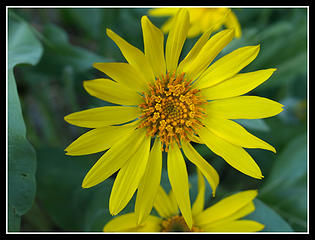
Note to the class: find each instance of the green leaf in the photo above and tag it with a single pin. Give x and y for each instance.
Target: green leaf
(59, 187)
(291, 204)
(95, 26)
(289, 167)
(23, 45)
(255, 124)
(59, 53)
(23, 48)
(97, 212)
(273, 221)
(61, 196)
(285, 188)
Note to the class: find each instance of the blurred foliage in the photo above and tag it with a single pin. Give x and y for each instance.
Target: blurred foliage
(51, 51)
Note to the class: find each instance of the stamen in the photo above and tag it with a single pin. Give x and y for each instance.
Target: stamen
(172, 110)
(177, 224)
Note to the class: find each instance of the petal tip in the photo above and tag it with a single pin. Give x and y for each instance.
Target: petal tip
(255, 191)
(140, 219)
(95, 65)
(252, 193)
(67, 118)
(109, 32)
(113, 209)
(256, 50)
(87, 86)
(86, 184)
(84, 83)
(230, 31)
(144, 18)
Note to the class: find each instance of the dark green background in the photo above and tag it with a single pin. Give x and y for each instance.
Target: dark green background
(50, 53)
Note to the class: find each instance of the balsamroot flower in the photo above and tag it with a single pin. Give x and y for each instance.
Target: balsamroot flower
(201, 19)
(171, 104)
(223, 216)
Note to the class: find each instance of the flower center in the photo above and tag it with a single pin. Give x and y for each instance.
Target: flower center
(177, 224)
(171, 109)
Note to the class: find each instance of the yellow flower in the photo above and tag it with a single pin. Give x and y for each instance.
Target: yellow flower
(168, 102)
(201, 19)
(223, 216)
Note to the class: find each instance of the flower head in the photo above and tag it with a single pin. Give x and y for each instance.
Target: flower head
(201, 19)
(173, 104)
(172, 110)
(223, 216)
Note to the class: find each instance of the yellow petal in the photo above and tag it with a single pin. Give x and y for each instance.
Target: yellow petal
(195, 138)
(196, 14)
(163, 204)
(209, 51)
(194, 30)
(98, 139)
(227, 66)
(199, 203)
(243, 107)
(162, 12)
(153, 40)
(235, 133)
(232, 22)
(225, 208)
(172, 198)
(103, 116)
(149, 184)
(236, 226)
(193, 53)
(128, 223)
(215, 17)
(133, 55)
(207, 170)
(176, 39)
(152, 224)
(234, 155)
(114, 158)
(242, 212)
(111, 91)
(128, 178)
(237, 85)
(124, 74)
(123, 223)
(178, 177)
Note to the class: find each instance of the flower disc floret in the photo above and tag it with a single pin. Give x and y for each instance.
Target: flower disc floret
(177, 224)
(172, 109)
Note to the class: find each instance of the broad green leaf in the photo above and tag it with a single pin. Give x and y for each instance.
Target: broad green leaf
(285, 188)
(97, 212)
(255, 124)
(291, 204)
(23, 45)
(23, 48)
(272, 220)
(59, 53)
(290, 165)
(59, 190)
(77, 17)
(61, 196)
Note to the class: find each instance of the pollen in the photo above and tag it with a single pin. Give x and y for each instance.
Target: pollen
(172, 109)
(177, 224)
